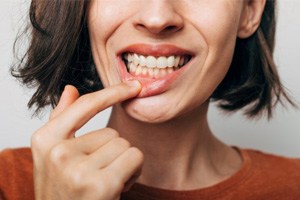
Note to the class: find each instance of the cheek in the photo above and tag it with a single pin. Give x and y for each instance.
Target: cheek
(221, 38)
(105, 16)
(100, 25)
(216, 20)
(218, 26)
(99, 22)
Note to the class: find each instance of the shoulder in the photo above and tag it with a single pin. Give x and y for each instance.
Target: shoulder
(20, 159)
(275, 163)
(21, 154)
(16, 170)
(275, 174)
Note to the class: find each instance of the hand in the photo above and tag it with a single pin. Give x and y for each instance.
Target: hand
(98, 165)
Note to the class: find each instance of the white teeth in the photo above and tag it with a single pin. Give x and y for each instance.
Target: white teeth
(132, 67)
(151, 72)
(156, 71)
(170, 61)
(138, 70)
(153, 67)
(170, 70)
(136, 59)
(163, 72)
(177, 59)
(142, 60)
(129, 57)
(151, 61)
(160, 62)
(144, 70)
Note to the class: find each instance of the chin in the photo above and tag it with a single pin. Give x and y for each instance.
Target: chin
(149, 111)
(161, 113)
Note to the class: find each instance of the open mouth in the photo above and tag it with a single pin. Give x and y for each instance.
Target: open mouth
(153, 66)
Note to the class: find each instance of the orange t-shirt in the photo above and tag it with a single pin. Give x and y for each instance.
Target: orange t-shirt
(262, 176)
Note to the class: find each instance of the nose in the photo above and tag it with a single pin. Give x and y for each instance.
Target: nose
(159, 17)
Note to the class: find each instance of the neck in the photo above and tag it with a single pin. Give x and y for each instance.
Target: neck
(181, 153)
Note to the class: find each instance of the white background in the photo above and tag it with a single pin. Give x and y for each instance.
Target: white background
(280, 136)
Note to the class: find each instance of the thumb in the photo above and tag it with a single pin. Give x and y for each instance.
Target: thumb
(68, 97)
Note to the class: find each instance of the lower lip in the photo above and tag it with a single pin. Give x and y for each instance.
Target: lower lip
(150, 86)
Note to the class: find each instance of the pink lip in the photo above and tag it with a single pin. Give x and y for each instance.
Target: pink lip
(150, 86)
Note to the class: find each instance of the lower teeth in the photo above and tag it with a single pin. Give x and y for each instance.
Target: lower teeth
(150, 72)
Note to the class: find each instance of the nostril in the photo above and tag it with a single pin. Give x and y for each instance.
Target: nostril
(171, 28)
(159, 29)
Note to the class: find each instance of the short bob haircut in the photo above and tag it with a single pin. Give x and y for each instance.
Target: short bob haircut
(59, 53)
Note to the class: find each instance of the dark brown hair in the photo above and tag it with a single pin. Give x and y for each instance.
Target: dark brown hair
(60, 54)
(252, 80)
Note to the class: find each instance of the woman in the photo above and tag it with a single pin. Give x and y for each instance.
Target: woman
(160, 62)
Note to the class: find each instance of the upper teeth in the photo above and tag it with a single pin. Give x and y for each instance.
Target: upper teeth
(152, 62)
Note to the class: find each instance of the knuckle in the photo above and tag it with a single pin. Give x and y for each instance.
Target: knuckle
(77, 180)
(112, 132)
(59, 154)
(121, 142)
(136, 154)
(85, 99)
(77, 183)
(38, 141)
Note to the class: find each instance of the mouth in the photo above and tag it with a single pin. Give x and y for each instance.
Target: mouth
(155, 66)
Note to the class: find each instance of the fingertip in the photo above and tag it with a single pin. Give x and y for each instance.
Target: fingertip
(134, 84)
(70, 90)
(68, 96)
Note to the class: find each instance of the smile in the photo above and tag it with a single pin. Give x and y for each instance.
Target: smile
(155, 66)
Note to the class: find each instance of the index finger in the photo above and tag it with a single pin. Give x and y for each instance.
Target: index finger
(87, 106)
(69, 95)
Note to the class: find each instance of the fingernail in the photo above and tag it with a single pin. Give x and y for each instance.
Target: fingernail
(133, 83)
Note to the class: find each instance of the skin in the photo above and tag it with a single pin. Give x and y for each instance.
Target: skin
(103, 163)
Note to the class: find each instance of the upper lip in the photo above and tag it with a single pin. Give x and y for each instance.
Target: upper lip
(155, 50)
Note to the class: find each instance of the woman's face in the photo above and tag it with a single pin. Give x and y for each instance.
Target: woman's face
(180, 50)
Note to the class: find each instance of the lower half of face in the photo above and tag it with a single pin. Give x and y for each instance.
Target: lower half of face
(179, 51)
